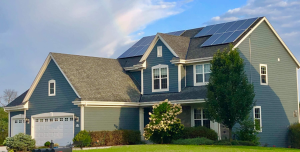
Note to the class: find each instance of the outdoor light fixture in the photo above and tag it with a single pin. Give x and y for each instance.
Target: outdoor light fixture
(27, 120)
(76, 118)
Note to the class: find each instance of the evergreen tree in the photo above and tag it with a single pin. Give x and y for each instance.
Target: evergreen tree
(230, 97)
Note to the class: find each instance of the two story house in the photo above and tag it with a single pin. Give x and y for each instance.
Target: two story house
(72, 93)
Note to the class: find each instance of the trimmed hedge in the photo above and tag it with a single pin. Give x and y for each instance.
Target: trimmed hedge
(117, 137)
(197, 132)
(193, 141)
(294, 135)
(235, 142)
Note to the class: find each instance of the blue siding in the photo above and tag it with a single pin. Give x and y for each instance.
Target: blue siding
(153, 60)
(40, 102)
(136, 76)
(189, 76)
(182, 77)
(14, 113)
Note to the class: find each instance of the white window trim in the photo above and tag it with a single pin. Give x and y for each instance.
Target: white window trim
(193, 117)
(152, 79)
(51, 81)
(159, 51)
(194, 71)
(260, 117)
(261, 74)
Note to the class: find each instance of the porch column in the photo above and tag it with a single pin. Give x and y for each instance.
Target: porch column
(81, 117)
(141, 116)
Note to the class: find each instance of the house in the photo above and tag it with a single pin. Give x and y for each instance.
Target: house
(72, 93)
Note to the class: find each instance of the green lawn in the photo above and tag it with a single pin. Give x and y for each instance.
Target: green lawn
(190, 148)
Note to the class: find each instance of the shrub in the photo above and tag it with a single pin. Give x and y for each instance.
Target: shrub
(47, 144)
(294, 135)
(163, 123)
(222, 142)
(195, 132)
(193, 141)
(84, 138)
(116, 137)
(247, 131)
(20, 142)
(234, 142)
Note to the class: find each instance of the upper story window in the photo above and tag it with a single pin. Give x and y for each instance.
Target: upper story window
(159, 51)
(160, 78)
(51, 88)
(201, 74)
(263, 74)
(257, 118)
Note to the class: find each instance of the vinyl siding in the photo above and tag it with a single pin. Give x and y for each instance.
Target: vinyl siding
(182, 77)
(185, 116)
(40, 102)
(189, 76)
(14, 113)
(153, 60)
(278, 99)
(136, 76)
(110, 118)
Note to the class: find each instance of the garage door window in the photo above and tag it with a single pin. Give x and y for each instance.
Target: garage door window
(41, 120)
(51, 119)
(56, 119)
(71, 119)
(61, 119)
(36, 120)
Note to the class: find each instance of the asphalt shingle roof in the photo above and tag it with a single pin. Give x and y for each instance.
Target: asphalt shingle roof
(18, 100)
(179, 44)
(198, 92)
(98, 79)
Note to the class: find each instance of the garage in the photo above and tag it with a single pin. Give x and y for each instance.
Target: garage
(59, 128)
(17, 126)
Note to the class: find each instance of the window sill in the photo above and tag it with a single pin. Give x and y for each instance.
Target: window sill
(51, 94)
(200, 84)
(264, 84)
(160, 90)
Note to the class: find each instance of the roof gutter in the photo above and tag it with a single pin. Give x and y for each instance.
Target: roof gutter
(131, 104)
(17, 108)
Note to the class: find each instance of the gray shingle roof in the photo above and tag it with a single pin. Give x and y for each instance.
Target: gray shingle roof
(98, 79)
(129, 62)
(179, 44)
(18, 101)
(187, 93)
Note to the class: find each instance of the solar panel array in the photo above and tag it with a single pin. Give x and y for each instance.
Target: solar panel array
(225, 32)
(140, 47)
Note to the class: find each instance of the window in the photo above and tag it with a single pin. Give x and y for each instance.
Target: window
(51, 119)
(201, 74)
(71, 119)
(41, 120)
(56, 119)
(263, 74)
(46, 120)
(61, 119)
(160, 79)
(52, 88)
(36, 120)
(257, 118)
(200, 117)
(66, 119)
(159, 51)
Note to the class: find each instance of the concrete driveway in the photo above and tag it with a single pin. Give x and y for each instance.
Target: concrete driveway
(3, 149)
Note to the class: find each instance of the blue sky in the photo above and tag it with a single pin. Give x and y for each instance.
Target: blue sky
(29, 30)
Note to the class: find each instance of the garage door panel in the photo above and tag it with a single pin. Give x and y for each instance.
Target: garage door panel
(58, 129)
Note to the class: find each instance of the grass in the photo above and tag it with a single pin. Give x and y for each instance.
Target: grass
(190, 148)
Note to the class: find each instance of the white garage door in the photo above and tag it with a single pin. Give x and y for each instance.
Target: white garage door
(58, 129)
(18, 126)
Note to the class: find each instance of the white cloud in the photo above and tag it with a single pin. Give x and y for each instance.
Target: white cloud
(29, 30)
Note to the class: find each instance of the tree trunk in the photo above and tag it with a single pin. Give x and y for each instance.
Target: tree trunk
(230, 136)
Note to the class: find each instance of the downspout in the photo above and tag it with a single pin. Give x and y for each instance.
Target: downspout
(250, 59)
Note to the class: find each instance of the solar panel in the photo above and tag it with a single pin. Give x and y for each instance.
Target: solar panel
(222, 38)
(204, 31)
(236, 25)
(234, 36)
(248, 23)
(215, 29)
(211, 40)
(140, 47)
(225, 27)
(227, 32)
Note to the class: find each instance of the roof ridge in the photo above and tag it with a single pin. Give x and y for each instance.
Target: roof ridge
(83, 56)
